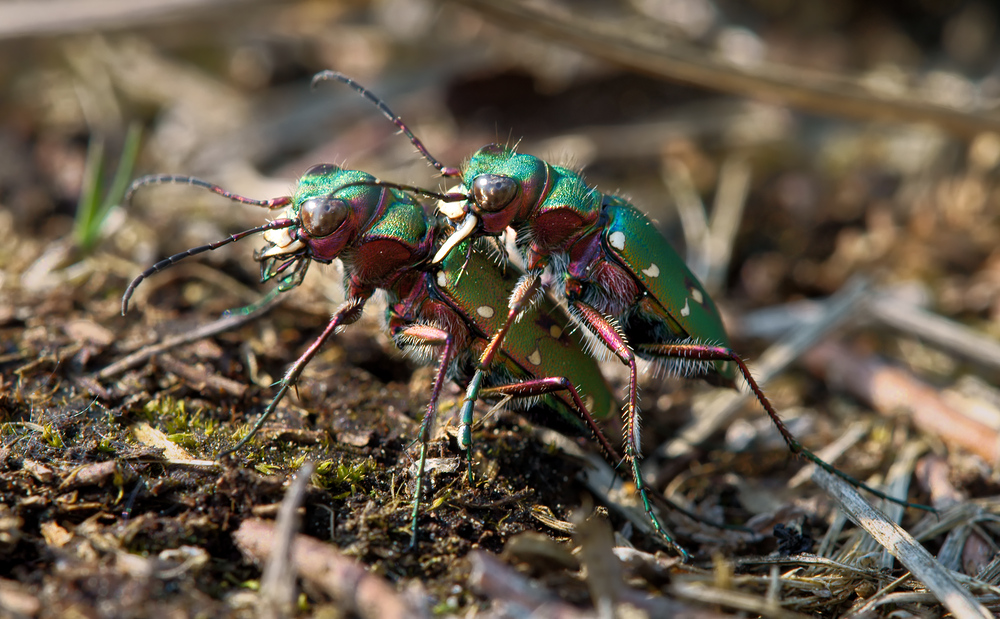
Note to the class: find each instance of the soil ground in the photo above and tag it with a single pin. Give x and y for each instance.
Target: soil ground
(113, 504)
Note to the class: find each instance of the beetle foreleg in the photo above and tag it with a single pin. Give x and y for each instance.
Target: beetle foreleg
(348, 313)
(526, 291)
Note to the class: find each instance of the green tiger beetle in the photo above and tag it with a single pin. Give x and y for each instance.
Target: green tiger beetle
(616, 273)
(385, 240)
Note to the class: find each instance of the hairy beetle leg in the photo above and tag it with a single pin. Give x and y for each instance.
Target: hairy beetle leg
(348, 313)
(607, 331)
(427, 335)
(524, 293)
(541, 386)
(703, 352)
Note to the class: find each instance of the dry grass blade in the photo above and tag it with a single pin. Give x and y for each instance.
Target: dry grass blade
(221, 325)
(152, 437)
(709, 243)
(732, 599)
(832, 452)
(690, 211)
(933, 525)
(601, 480)
(904, 547)
(730, 201)
(813, 91)
(897, 483)
(882, 596)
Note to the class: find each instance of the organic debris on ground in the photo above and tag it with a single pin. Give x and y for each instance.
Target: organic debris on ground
(852, 248)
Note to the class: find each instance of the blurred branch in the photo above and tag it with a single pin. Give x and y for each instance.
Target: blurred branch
(888, 306)
(944, 333)
(890, 390)
(53, 17)
(339, 576)
(812, 91)
(227, 322)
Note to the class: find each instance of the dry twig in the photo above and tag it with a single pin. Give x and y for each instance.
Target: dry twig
(904, 547)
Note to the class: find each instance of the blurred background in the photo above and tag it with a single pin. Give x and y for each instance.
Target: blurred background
(220, 90)
(786, 147)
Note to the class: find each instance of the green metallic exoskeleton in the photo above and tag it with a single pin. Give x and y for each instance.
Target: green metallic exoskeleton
(384, 239)
(674, 295)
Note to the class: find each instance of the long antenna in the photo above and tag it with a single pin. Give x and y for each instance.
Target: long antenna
(444, 197)
(323, 76)
(172, 260)
(172, 179)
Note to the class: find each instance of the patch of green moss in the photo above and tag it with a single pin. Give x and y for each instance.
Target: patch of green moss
(333, 475)
(187, 429)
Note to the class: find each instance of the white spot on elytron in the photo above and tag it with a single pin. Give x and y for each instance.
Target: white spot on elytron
(442, 279)
(535, 358)
(617, 240)
(697, 296)
(686, 310)
(555, 331)
(652, 271)
(485, 311)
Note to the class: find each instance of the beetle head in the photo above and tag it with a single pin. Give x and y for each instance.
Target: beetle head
(503, 188)
(330, 207)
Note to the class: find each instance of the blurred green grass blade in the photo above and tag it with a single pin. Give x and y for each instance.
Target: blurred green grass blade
(123, 175)
(91, 209)
(90, 193)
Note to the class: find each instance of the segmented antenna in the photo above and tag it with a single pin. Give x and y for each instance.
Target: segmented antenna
(172, 260)
(444, 197)
(323, 76)
(172, 179)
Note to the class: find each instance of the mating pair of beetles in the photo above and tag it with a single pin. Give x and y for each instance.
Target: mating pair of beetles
(491, 327)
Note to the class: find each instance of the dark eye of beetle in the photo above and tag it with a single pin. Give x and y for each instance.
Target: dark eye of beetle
(321, 169)
(321, 216)
(493, 191)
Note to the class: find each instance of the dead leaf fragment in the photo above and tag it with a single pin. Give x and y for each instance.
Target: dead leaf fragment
(55, 535)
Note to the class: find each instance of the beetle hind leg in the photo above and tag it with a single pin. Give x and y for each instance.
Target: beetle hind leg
(541, 386)
(703, 352)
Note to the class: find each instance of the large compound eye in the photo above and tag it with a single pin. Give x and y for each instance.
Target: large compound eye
(493, 191)
(322, 216)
